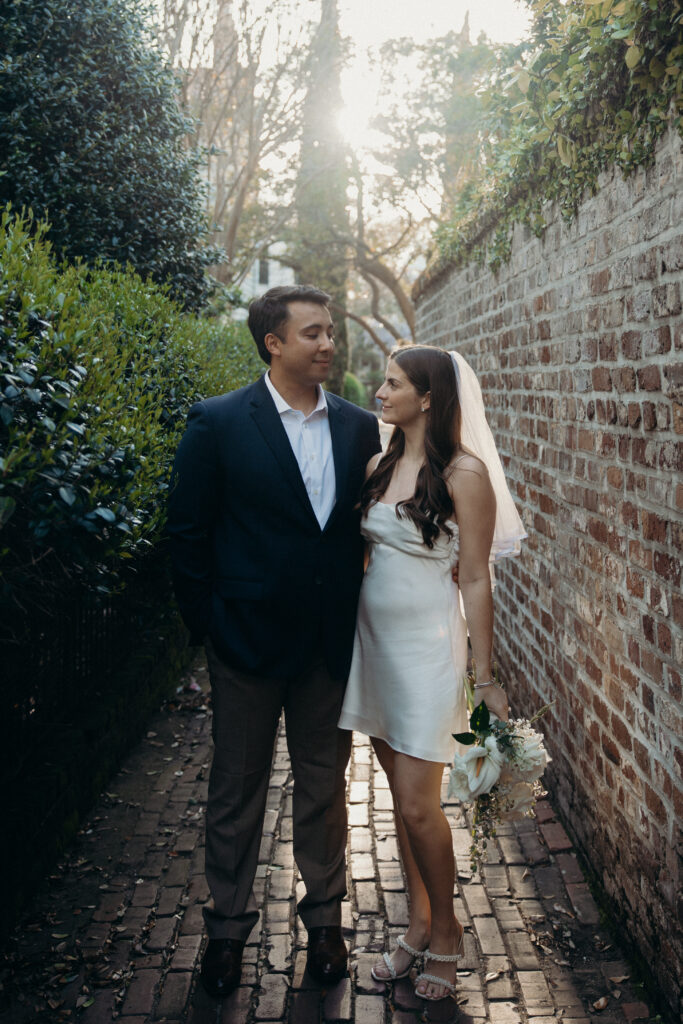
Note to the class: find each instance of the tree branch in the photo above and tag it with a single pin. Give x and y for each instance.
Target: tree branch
(366, 326)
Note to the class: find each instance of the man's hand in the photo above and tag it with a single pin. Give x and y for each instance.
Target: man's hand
(454, 572)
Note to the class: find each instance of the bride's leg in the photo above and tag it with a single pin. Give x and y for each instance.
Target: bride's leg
(417, 933)
(417, 792)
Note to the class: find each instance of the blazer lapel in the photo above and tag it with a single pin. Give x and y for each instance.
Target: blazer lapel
(340, 450)
(267, 419)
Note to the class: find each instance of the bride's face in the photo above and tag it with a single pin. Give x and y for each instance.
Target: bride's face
(402, 404)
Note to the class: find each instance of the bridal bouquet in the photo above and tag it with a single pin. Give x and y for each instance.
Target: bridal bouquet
(499, 774)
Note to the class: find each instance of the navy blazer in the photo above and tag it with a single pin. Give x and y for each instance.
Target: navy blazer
(252, 568)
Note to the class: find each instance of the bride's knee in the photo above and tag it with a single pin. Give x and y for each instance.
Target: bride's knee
(415, 812)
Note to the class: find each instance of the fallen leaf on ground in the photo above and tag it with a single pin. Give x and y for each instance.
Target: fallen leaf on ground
(601, 1003)
(493, 975)
(621, 978)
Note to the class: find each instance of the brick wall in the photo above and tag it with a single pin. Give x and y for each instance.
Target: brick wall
(578, 342)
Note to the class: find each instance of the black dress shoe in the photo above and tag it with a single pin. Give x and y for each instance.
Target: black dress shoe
(328, 956)
(222, 966)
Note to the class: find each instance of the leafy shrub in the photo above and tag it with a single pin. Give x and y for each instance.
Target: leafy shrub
(354, 390)
(596, 84)
(92, 137)
(97, 371)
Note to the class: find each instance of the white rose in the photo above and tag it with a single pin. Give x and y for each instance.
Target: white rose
(458, 786)
(531, 756)
(519, 802)
(483, 765)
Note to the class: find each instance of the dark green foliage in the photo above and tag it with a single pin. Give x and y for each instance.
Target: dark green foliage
(91, 137)
(97, 371)
(56, 762)
(596, 85)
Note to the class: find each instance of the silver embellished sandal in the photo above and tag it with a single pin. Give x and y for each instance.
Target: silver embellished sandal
(393, 973)
(441, 958)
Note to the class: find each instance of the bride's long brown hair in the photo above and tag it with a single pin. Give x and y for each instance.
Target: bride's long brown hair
(429, 370)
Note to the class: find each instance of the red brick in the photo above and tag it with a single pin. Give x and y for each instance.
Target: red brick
(654, 527)
(140, 994)
(600, 282)
(610, 750)
(583, 903)
(664, 638)
(667, 567)
(633, 414)
(602, 379)
(631, 345)
(555, 837)
(621, 733)
(649, 379)
(655, 805)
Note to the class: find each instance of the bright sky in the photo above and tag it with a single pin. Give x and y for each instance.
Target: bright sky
(369, 23)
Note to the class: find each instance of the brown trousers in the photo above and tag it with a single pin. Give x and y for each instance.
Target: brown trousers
(246, 712)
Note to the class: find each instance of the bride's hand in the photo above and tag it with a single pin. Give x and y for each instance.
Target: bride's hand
(495, 699)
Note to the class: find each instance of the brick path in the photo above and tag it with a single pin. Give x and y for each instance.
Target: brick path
(118, 931)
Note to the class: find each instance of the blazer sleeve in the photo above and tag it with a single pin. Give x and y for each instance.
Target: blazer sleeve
(192, 512)
(375, 442)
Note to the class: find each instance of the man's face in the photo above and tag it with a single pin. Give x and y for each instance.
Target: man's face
(305, 355)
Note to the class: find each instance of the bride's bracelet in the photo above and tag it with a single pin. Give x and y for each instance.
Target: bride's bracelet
(480, 686)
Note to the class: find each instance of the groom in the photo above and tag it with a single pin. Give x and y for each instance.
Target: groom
(267, 558)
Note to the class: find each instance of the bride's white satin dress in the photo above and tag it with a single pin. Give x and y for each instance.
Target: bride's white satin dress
(406, 684)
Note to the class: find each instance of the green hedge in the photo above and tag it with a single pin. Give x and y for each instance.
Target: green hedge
(91, 136)
(97, 371)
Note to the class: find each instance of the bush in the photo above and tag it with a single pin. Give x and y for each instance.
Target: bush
(97, 371)
(596, 85)
(354, 390)
(92, 137)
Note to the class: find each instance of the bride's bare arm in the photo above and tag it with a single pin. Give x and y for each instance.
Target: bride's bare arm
(475, 512)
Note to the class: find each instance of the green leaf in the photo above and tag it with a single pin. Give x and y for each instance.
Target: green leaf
(633, 55)
(67, 494)
(466, 738)
(106, 514)
(480, 718)
(524, 81)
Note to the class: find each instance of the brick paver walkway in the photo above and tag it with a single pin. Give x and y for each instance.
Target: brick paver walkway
(118, 930)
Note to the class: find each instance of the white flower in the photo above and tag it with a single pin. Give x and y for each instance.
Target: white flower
(458, 785)
(482, 764)
(530, 755)
(519, 802)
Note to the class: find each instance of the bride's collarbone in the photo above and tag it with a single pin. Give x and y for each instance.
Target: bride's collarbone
(402, 484)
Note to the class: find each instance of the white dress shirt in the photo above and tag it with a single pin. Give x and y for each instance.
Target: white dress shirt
(311, 443)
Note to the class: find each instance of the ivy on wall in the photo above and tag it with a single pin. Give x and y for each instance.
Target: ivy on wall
(596, 85)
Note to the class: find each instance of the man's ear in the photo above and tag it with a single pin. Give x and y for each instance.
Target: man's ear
(273, 344)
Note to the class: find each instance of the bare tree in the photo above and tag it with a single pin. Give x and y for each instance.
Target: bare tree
(242, 77)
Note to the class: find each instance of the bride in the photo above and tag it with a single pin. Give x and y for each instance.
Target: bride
(436, 497)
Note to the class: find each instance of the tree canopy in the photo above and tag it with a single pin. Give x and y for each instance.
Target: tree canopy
(92, 138)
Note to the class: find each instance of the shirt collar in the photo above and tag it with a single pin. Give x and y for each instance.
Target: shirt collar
(282, 406)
